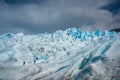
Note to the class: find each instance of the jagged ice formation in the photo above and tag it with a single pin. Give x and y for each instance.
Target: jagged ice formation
(64, 55)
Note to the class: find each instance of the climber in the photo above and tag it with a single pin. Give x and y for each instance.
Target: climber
(23, 63)
(34, 61)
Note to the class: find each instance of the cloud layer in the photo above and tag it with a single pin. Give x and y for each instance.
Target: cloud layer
(36, 16)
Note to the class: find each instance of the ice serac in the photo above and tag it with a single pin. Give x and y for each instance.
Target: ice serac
(64, 55)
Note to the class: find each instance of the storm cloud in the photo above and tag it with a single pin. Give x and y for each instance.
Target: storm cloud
(38, 16)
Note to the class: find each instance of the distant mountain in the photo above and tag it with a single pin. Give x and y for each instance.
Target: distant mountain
(116, 30)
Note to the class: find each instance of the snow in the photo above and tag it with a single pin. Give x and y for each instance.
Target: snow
(70, 54)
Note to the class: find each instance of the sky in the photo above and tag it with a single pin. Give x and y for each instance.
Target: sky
(39, 16)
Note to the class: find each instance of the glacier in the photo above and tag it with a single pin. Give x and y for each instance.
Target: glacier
(72, 54)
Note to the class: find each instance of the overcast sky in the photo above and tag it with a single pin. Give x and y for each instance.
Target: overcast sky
(38, 16)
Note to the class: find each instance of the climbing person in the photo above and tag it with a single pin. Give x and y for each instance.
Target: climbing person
(34, 61)
(23, 63)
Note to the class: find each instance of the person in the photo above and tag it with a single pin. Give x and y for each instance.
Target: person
(34, 61)
(23, 63)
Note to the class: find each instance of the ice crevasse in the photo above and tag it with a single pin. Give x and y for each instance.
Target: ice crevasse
(72, 54)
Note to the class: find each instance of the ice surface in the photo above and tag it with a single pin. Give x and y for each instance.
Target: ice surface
(64, 55)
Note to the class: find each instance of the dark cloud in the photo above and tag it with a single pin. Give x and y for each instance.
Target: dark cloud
(36, 16)
(21, 2)
(113, 7)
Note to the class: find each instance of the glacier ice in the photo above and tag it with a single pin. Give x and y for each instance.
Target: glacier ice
(72, 54)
